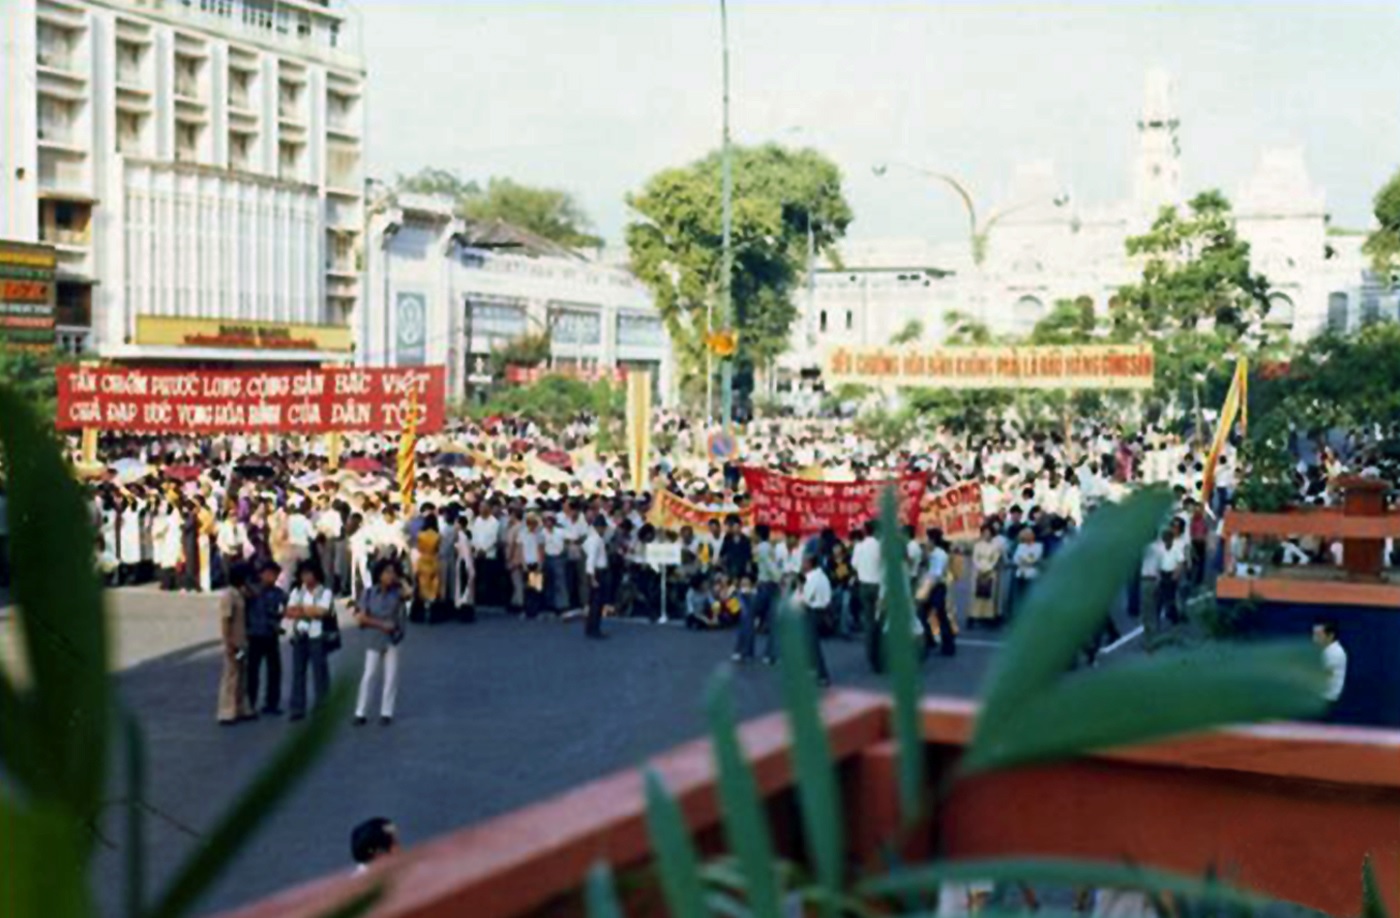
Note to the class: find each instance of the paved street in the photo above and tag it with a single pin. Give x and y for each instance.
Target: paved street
(491, 717)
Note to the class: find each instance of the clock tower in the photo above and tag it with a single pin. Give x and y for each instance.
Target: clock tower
(1157, 171)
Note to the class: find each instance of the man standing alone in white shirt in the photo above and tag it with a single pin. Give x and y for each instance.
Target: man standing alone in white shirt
(815, 600)
(1334, 660)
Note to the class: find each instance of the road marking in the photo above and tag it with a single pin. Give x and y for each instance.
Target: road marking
(1125, 639)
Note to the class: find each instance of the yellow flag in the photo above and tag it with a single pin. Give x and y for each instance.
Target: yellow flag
(408, 449)
(638, 427)
(1235, 407)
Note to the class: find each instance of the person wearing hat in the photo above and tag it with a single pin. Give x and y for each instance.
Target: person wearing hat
(600, 581)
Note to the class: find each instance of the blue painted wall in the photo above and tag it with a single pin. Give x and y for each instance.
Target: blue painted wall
(1371, 637)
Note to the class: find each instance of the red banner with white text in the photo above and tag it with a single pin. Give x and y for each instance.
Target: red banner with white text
(956, 510)
(281, 401)
(805, 507)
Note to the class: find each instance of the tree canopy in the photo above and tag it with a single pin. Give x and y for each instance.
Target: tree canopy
(1195, 274)
(1383, 244)
(549, 212)
(675, 245)
(1199, 301)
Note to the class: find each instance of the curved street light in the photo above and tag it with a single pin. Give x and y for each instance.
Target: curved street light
(977, 233)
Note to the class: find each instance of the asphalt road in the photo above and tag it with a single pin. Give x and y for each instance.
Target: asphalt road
(491, 717)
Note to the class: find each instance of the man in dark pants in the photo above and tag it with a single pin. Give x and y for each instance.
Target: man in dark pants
(265, 638)
(867, 565)
(814, 599)
(735, 550)
(934, 592)
(600, 579)
(765, 597)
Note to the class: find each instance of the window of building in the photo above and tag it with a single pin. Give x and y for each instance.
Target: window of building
(1370, 309)
(850, 320)
(821, 322)
(639, 331)
(1027, 311)
(577, 327)
(498, 320)
(186, 141)
(1338, 307)
(1280, 313)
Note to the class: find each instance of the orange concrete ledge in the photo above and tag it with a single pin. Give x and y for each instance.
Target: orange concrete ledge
(1313, 592)
(1289, 809)
(1331, 523)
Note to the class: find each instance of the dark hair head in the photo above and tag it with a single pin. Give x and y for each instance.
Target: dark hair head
(1328, 626)
(371, 839)
(238, 575)
(381, 566)
(312, 568)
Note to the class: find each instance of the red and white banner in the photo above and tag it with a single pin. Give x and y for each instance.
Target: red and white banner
(956, 510)
(284, 401)
(515, 373)
(796, 505)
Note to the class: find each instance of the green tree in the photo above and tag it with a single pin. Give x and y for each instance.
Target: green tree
(1383, 244)
(1199, 302)
(675, 246)
(1069, 322)
(525, 351)
(912, 331)
(548, 212)
(31, 374)
(441, 182)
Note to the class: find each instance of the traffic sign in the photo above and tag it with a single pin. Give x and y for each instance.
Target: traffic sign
(722, 446)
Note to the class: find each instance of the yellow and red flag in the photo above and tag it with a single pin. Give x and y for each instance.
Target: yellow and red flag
(408, 452)
(1236, 406)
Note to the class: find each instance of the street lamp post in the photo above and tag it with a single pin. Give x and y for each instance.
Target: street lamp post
(978, 233)
(727, 221)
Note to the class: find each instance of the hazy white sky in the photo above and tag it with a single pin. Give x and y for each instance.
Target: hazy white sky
(595, 97)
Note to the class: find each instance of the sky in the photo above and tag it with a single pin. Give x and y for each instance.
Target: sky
(595, 97)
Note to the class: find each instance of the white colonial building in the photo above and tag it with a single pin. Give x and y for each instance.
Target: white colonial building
(441, 290)
(1046, 246)
(197, 164)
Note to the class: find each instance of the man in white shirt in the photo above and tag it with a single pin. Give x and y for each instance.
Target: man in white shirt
(490, 572)
(814, 599)
(531, 541)
(1172, 560)
(556, 566)
(1334, 660)
(866, 562)
(595, 562)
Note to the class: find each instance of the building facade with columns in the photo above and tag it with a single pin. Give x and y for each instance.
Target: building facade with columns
(1050, 247)
(197, 166)
(440, 290)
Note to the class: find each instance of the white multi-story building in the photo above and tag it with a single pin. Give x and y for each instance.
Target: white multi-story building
(197, 164)
(1047, 247)
(443, 291)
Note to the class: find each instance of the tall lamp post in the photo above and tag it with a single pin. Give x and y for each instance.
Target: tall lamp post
(726, 232)
(977, 233)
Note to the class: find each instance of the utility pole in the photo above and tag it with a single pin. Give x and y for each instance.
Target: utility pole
(726, 318)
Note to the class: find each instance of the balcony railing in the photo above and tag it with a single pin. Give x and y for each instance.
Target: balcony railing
(187, 87)
(56, 56)
(60, 235)
(56, 132)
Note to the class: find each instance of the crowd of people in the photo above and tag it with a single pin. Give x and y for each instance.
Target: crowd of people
(538, 523)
